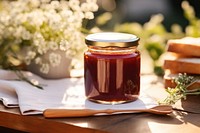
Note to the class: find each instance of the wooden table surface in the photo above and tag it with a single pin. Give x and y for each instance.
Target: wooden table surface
(12, 121)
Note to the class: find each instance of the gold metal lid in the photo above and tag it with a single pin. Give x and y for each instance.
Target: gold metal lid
(107, 39)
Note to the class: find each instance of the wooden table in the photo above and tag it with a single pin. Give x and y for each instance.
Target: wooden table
(12, 121)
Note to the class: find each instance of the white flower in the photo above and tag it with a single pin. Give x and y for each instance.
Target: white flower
(44, 68)
(55, 4)
(26, 35)
(89, 15)
(35, 18)
(54, 21)
(5, 18)
(38, 60)
(30, 55)
(66, 13)
(42, 25)
(74, 4)
(64, 5)
(53, 45)
(38, 35)
(64, 45)
(54, 59)
(42, 48)
(93, 7)
(86, 7)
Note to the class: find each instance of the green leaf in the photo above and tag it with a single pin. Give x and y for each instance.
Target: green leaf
(155, 50)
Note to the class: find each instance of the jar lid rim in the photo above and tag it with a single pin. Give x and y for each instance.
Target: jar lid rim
(105, 39)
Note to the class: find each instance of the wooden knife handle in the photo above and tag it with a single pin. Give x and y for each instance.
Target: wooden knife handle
(56, 113)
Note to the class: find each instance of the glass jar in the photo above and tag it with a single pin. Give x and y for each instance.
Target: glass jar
(112, 67)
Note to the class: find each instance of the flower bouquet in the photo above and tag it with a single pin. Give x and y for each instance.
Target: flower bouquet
(43, 33)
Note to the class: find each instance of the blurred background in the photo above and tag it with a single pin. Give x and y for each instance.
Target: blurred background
(153, 21)
(141, 11)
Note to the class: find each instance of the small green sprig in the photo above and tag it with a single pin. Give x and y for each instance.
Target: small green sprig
(180, 91)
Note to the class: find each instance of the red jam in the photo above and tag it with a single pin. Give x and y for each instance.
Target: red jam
(112, 78)
(112, 68)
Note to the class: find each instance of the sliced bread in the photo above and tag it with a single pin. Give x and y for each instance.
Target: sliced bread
(183, 65)
(168, 81)
(186, 46)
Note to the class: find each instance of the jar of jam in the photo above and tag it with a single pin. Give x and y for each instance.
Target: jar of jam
(112, 67)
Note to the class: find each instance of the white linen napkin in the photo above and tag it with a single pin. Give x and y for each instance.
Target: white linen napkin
(63, 93)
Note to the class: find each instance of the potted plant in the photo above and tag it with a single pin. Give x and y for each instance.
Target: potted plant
(44, 35)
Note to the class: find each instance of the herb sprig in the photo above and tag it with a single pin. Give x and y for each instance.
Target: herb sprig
(180, 91)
